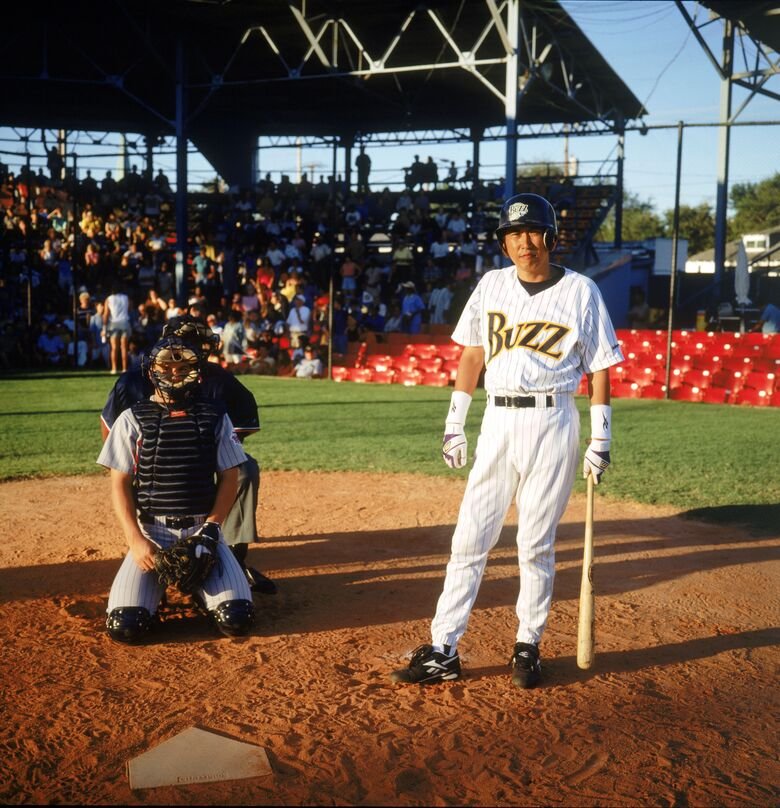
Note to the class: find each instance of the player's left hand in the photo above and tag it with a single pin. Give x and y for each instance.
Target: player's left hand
(454, 447)
(596, 462)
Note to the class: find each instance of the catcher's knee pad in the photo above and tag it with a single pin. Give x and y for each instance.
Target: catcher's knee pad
(234, 617)
(129, 624)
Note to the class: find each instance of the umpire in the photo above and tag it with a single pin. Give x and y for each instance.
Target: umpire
(240, 527)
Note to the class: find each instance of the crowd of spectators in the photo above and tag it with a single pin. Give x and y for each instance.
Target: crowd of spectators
(260, 267)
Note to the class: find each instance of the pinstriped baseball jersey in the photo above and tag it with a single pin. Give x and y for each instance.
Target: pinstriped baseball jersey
(537, 345)
(542, 342)
(120, 449)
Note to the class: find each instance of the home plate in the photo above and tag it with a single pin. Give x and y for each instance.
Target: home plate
(197, 756)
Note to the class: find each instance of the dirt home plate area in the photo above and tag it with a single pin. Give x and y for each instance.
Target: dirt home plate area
(680, 707)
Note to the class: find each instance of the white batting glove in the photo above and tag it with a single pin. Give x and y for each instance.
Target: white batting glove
(596, 460)
(455, 446)
(597, 454)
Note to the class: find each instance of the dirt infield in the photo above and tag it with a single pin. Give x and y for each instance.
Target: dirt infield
(680, 709)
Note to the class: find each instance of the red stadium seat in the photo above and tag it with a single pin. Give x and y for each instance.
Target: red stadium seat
(386, 376)
(436, 378)
(360, 375)
(750, 397)
(404, 364)
(430, 365)
(686, 392)
(421, 350)
(775, 402)
(626, 390)
(379, 361)
(715, 395)
(697, 378)
(756, 380)
(449, 352)
(408, 378)
(582, 388)
(771, 348)
(654, 390)
(766, 365)
(451, 368)
(339, 373)
(732, 362)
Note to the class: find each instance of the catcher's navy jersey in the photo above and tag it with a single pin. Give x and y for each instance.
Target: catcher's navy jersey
(121, 447)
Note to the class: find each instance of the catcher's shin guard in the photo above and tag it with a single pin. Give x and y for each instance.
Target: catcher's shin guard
(129, 624)
(234, 618)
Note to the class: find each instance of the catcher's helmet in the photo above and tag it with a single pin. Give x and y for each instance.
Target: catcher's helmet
(193, 331)
(528, 210)
(174, 368)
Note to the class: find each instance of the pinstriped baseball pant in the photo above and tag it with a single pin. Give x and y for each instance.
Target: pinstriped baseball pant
(530, 455)
(134, 587)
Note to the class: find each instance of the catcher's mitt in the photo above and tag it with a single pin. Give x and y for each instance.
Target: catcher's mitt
(187, 563)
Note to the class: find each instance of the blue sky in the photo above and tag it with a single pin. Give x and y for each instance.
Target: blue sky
(648, 43)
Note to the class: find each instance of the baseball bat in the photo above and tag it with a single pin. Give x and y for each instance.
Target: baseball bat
(585, 628)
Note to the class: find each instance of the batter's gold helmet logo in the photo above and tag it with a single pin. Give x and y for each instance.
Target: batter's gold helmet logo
(517, 211)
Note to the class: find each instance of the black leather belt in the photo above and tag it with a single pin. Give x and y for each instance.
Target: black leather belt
(174, 522)
(519, 402)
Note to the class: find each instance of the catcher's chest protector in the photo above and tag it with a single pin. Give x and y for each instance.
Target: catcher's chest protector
(176, 458)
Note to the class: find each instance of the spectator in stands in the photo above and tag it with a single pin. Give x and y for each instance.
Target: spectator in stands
(310, 366)
(440, 252)
(439, 303)
(165, 281)
(50, 346)
(468, 175)
(639, 312)
(233, 339)
(275, 256)
(97, 339)
(769, 320)
(299, 321)
(394, 323)
(412, 307)
(456, 226)
(452, 175)
(117, 327)
(402, 259)
(415, 174)
(363, 165)
(430, 174)
(349, 272)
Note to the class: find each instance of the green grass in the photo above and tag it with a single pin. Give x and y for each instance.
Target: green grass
(692, 456)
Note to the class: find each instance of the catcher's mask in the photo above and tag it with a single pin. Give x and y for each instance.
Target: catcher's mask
(528, 211)
(174, 369)
(193, 331)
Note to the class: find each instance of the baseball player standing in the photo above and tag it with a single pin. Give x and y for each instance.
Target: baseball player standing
(240, 527)
(535, 327)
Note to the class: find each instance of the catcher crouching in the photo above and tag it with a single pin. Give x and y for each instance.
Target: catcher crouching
(174, 463)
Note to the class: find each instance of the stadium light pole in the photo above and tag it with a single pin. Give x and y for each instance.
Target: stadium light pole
(673, 273)
(181, 178)
(512, 92)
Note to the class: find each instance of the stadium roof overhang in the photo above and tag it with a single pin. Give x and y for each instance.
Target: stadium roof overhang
(227, 70)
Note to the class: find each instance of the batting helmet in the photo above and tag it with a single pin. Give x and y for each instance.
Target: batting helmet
(528, 210)
(174, 368)
(193, 331)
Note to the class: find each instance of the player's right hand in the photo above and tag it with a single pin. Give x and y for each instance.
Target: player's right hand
(143, 552)
(454, 448)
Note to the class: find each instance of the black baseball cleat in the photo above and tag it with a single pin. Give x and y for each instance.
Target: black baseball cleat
(428, 667)
(259, 582)
(526, 667)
